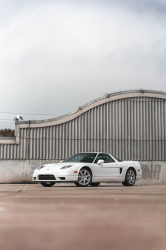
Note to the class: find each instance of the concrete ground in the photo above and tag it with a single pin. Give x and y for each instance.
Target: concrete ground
(66, 217)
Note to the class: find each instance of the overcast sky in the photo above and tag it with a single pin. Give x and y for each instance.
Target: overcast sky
(56, 55)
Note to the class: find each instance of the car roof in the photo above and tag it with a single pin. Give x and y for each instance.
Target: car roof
(93, 152)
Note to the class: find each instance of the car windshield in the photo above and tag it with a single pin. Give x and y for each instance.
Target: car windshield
(82, 157)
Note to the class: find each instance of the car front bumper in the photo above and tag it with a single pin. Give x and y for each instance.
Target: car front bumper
(61, 177)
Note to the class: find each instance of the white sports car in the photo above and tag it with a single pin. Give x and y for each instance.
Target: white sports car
(89, 169)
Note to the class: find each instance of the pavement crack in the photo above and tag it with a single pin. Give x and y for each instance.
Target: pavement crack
(13, 193)
(21, 189)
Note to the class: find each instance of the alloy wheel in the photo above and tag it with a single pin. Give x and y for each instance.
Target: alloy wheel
(131, 177)
(84, 177)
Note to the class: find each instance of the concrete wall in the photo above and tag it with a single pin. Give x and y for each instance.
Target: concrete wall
(154, 172)
(19, 171)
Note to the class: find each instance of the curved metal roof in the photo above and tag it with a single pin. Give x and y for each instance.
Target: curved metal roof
(105, 98)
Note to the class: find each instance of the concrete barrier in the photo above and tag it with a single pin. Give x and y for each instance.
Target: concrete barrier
(16, 171)
(19, 171)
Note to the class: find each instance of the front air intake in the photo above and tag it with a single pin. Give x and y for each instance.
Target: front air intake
(48, 177)
(62, 178)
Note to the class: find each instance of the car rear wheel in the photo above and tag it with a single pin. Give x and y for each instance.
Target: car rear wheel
(95, 184)
(130, 177)
(84, 177)
(47, 183)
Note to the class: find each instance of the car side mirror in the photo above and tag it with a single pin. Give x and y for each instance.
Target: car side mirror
(61, 161)
(100, 162)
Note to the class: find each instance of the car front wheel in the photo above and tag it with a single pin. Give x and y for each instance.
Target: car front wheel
(47, 183)
(84, 177)
(130, 177)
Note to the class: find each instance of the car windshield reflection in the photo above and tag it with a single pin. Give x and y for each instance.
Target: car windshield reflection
(82, 157)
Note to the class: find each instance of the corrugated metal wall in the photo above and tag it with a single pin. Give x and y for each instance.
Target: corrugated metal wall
(130, 129)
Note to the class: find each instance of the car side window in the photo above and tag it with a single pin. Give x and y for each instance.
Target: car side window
(107, 158)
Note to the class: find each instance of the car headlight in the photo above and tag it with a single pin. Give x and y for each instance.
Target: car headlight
(40, 167)
(65, 167)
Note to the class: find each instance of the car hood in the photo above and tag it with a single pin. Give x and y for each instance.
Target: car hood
(57, 166)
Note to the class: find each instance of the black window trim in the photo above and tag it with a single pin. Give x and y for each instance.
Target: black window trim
(95, 158)
(114, 160)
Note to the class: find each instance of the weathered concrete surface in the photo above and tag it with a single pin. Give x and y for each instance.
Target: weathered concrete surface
(19, 171)
(154, 172)
(71, 218)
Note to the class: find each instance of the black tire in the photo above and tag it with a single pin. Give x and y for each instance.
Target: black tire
(84, 177)
(130, 177)
(95, 184)
(47, 183)
(124, 184)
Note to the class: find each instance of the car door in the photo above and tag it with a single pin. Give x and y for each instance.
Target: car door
(107, 170)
